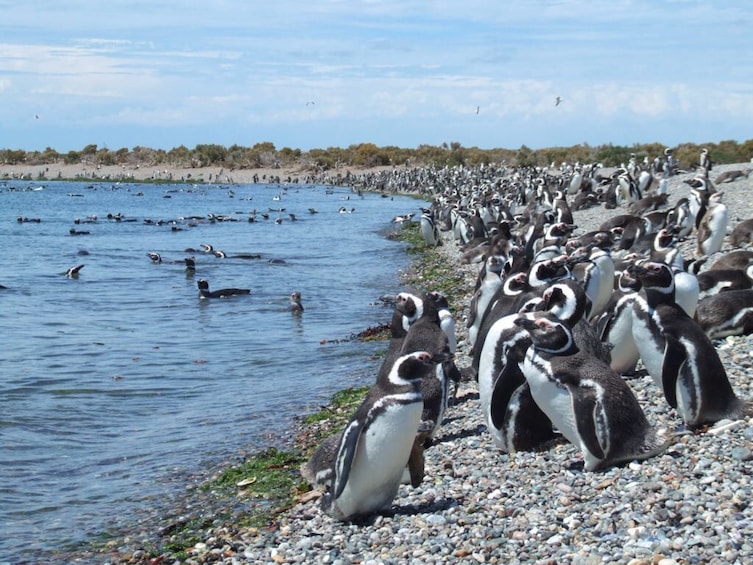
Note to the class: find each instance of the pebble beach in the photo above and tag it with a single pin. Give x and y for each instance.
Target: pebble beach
(690, 504)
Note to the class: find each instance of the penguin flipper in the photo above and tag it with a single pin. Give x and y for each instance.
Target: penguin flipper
(589, 419)
(345, 455)
(675, 357)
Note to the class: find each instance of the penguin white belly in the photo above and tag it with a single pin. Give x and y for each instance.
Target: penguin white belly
(687, 292)
(689, 377)
(487, 374)
(427, 231)
(377, 467)
(651, 350)
(624, 353)
(553, 399)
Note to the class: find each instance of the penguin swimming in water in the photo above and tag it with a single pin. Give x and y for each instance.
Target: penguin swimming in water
(205, 293)
(586, 400)
(295, 305)
(72, 273)
(678, 354)
(375, 446)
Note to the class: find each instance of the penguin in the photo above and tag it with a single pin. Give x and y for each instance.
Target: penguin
(317, 471)
(205, 293)
(742, 233)
(713, 226)
(376, 444)
(567, 300)
(714, 281)
(482, 297)
(295, 305)
(513, 419)
(615, 325)
(678, 354)
(190, 263)
(726, 313)
(155, 257)
(72, 272)
(429, 229)
(736, 259)
(584, 398)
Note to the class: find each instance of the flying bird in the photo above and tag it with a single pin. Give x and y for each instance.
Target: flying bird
(557, 101)
(478, 108)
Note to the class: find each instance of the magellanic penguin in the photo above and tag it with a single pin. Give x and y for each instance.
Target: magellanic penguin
(713, 226)
(615, 325)
(587, 401)
(429, 229)
(205, 293)
(295, 305)
(72, 273)
(726, 313)
(714, 281)
(513, 419)
(376, 444)
(678, 354)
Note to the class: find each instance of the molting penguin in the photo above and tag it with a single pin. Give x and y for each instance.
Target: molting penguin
(726, 313)
(678, 354)
(737, 259)
(588, 402)
(205, 293)
(375, 446)
(713, 226)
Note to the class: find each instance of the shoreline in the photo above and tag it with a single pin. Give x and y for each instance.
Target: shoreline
(163, 173)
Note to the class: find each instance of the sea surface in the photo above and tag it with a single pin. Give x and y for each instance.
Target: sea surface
(116, 384)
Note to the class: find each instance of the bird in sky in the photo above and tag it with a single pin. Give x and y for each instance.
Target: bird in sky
(557, 101)
(478, 108)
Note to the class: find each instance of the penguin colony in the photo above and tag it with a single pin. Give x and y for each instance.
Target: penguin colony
(558, 323)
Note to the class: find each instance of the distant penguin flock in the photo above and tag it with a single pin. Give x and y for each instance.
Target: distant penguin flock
(557, 324)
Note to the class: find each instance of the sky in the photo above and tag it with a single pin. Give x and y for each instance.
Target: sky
(334, 73)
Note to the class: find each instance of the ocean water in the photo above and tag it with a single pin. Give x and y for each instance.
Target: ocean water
(117, 383)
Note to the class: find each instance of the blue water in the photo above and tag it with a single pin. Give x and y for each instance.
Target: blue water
(113, 384)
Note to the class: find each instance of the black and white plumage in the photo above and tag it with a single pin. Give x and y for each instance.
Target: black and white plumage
(678, 354)
(585, 399)
(714, 281)
(513, 419)
(155, 257)
(376, 444)
(727, 313)
(72, 272)
(429, 229)
(205, 293)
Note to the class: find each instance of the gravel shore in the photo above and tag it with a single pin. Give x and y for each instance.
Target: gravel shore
(692, 504)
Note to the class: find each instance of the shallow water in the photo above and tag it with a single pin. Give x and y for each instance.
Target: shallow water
(118, 381)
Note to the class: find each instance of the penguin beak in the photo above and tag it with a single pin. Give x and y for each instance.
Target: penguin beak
(443, 357)
(525, 323)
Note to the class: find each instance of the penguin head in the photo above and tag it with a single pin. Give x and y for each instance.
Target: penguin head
(202, 284)
(412, 368)
(653, 275)
(548, 333)
(566, 299)
(411, 306)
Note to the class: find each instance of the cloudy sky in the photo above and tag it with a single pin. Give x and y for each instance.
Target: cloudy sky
(331, 73)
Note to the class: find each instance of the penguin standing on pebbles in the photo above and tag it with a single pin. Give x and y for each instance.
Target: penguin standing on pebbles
(375, 446)
(678, 354)
(585, 399)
